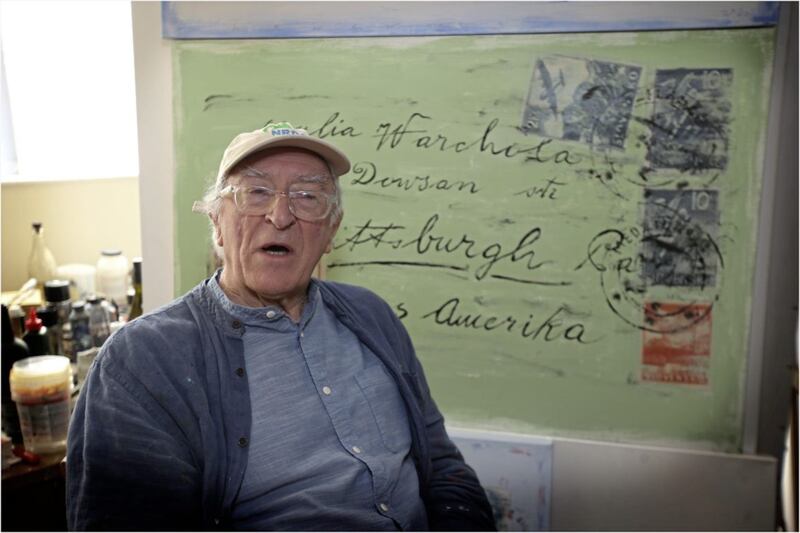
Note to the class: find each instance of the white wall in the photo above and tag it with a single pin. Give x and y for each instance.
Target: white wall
(153, 64)
(80, 218)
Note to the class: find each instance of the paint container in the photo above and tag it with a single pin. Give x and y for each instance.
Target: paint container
(41, 388)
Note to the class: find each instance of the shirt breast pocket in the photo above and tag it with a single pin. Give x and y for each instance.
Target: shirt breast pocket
(387, 407)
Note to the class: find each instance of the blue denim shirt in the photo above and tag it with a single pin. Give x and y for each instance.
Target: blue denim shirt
(330, 442)
(160, 433)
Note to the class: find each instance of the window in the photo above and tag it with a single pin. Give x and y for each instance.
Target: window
(67, 91)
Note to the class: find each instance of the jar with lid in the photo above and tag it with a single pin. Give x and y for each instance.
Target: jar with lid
(112, 278)
(56, 294)
(41, 387)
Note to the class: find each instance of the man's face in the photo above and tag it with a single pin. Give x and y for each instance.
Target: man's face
(269, 258)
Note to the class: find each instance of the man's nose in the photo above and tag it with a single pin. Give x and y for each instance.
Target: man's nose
(280, 215)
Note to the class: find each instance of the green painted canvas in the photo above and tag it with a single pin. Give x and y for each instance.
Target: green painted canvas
(566, 224)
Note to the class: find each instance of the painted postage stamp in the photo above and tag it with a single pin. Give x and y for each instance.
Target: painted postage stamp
(690, 127)
(679, 247)
(677, 346)
(580, 99)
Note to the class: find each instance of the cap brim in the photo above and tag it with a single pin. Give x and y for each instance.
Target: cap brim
(339, 162)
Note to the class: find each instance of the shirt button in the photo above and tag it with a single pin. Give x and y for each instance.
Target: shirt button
(326, 390)
(383, 507)
(356, 449)
(236, 324)
(271, 314)
(242, 442)
(240, 372)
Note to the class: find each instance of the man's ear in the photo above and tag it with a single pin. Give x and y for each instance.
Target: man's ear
(329, 247)
(217, 232)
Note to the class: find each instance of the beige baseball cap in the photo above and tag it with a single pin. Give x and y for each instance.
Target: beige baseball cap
(280, 134)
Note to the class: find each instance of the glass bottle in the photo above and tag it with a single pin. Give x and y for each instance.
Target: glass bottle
(41, 263)
(98, 321)
(136, 305)
(49, 317)
(79, 324)
(111, 310)
(56, 294)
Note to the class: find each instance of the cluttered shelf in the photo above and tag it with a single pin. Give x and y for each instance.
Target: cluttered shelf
(53, 327)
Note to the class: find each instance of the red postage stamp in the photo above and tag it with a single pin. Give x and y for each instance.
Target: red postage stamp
(676, 344)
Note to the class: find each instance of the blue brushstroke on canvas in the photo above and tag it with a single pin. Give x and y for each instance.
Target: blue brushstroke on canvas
(176, 24)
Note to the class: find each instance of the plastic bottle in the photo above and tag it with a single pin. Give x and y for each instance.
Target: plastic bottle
(112, 278)
(79, 324)
(41, 263)
(98, 321)
(35, 334)
(136, 305)
(13, 350)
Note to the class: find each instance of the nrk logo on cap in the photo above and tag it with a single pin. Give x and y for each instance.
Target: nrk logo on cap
(282, 128)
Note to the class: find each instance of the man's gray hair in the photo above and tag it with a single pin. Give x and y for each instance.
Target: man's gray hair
(211, 204)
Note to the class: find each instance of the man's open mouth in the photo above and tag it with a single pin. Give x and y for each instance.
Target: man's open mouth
(276, 249)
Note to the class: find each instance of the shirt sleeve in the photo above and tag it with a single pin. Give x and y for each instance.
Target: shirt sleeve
(128, 466)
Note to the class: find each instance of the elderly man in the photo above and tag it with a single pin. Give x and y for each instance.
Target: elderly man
(264, 399)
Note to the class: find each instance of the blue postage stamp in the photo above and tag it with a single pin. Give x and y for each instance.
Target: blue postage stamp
(679, 247)
(691, 120)
(579, 99)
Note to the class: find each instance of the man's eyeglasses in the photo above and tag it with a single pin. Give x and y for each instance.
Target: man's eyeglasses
(259, 200)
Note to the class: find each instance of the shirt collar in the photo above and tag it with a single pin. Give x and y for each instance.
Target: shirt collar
(270, 316)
